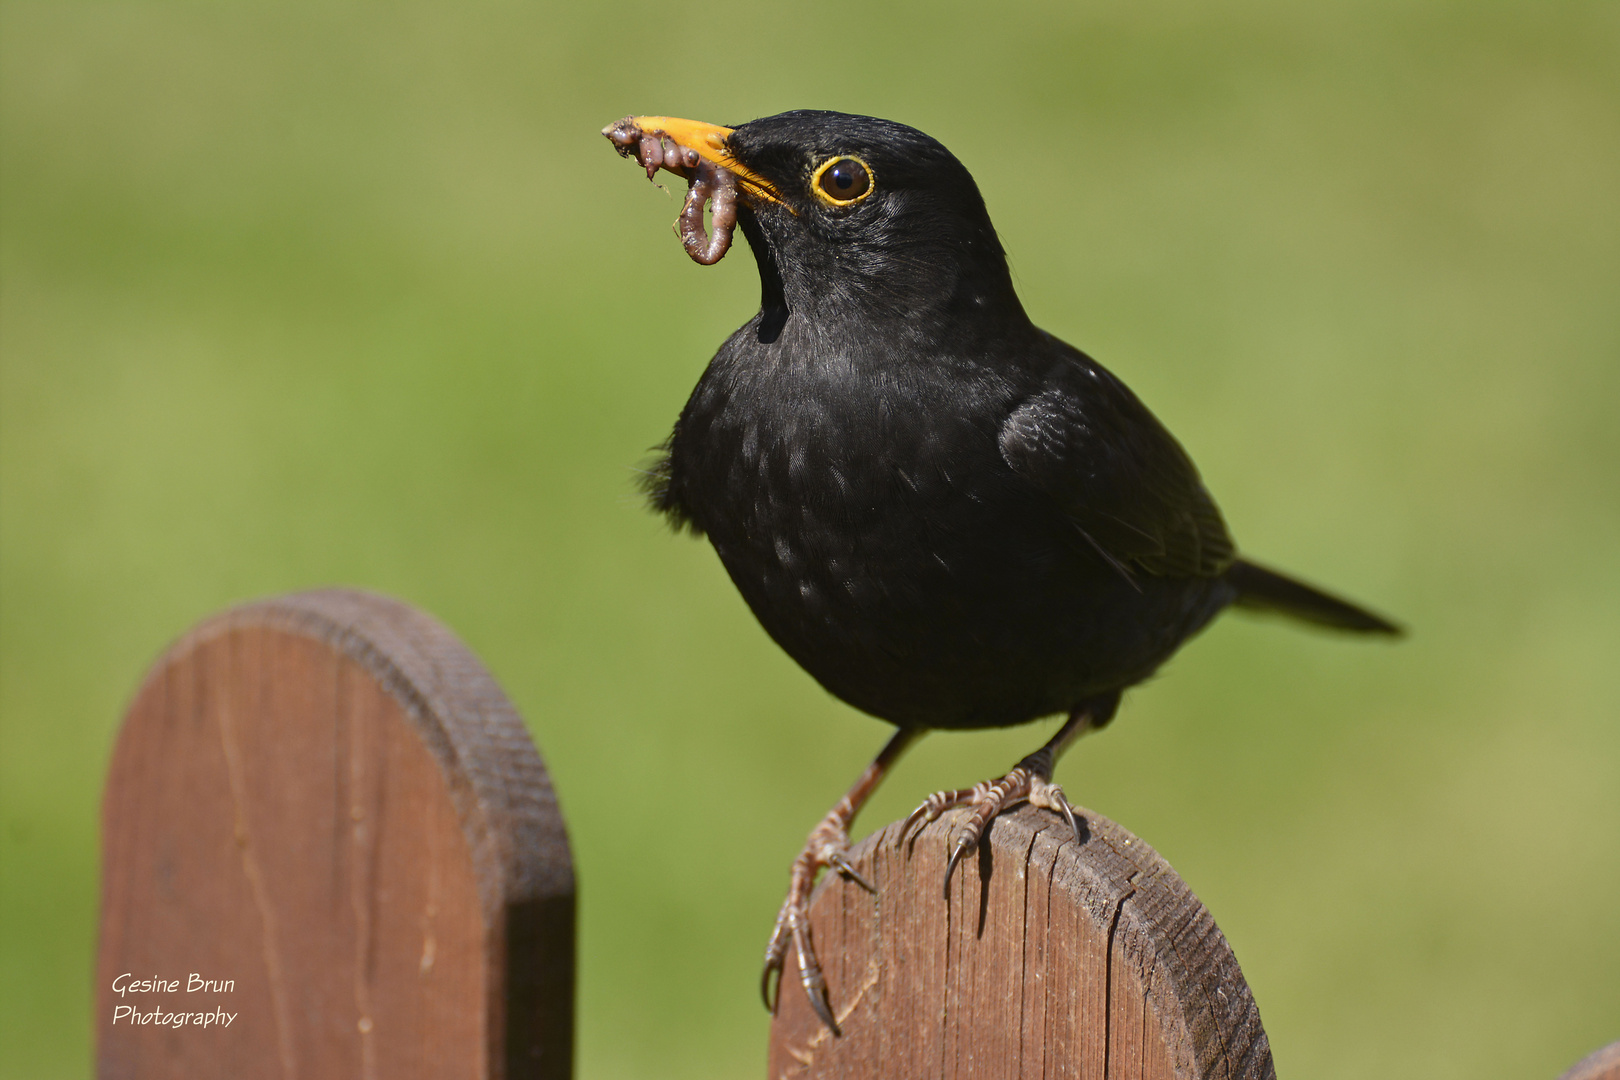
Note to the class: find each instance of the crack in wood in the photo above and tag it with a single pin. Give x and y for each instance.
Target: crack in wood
(1108, 983)
(270, 950)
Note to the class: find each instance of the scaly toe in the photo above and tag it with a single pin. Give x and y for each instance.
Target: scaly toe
(1022, 784)
(776, 954)
(931, 807)
(826, 846)
(1049, 796)
(987, 800)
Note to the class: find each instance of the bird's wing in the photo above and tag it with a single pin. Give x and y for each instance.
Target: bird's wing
(1087, 442)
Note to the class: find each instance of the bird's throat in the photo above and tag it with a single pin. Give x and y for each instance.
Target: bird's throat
(952, 307)
(773, 305)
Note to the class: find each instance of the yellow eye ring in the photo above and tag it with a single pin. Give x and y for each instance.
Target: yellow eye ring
(843, 180)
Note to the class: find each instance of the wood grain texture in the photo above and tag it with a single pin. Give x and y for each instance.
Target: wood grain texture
(1601, 1064)
(327, 800)
(1049, 960)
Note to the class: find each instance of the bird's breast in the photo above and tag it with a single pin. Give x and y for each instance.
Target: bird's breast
(859, 510)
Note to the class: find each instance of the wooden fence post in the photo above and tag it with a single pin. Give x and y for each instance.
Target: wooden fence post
(329, 848)
(1049, 960)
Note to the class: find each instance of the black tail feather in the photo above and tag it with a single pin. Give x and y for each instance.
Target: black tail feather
(1268, 590)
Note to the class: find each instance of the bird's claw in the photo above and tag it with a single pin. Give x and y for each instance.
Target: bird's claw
(827, 846)
(793, 927)
(987, 799)
(840, 862)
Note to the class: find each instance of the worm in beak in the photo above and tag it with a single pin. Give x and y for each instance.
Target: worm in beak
(695, 152)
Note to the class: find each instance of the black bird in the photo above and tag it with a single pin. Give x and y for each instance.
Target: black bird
(949, 517)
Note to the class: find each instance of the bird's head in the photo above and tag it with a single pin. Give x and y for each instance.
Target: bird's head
(842, 211)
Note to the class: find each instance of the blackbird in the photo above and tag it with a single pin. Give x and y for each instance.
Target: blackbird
(949, 517)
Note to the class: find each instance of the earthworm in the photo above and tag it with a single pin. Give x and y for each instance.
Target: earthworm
(706, 181)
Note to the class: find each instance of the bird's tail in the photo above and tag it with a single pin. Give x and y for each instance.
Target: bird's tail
(1268, 590)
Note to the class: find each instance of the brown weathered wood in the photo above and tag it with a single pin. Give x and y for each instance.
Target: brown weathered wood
(326, 800)
(1601, 1064)
(1049, 960)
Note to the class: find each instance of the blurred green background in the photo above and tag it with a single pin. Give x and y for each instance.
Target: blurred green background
(304, 294)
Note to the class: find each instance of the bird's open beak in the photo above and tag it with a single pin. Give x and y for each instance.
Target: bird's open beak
(681, 146)
(698, 153)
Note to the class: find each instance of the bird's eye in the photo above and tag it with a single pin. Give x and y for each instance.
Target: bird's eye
(843, 181)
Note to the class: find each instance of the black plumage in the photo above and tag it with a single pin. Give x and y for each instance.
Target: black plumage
(949, 517)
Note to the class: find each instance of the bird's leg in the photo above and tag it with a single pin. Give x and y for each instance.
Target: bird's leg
(827, 845)
(1029, 781)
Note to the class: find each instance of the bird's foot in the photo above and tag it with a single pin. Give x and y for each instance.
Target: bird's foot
(1029, 781)
(827, 846)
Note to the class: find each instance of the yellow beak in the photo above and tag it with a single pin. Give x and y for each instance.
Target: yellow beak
(707, 140)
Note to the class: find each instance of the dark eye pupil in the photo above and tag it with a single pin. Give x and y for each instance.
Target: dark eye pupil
(845, 180)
